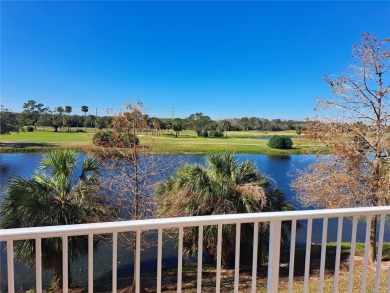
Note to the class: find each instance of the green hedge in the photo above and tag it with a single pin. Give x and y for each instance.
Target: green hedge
(280, 142)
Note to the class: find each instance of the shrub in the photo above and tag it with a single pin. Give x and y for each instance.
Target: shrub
(215, 133)
(29, 128)
(114, 139)
(103, 138)
(280, 142)
(205, 133)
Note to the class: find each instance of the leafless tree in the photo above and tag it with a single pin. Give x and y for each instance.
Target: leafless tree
(133, 168)
(356, 132)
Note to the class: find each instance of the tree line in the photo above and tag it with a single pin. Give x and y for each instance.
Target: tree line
(35, 114)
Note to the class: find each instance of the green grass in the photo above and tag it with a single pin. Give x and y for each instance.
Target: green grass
(187, 143)
(148, 280)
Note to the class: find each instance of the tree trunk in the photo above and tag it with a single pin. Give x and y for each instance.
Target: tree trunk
(372, 248)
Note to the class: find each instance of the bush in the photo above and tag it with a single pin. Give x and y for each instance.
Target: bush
(103, 138)
(205, 133)
(114, 139)
(215, 133)
(280, 142)
(29, 128)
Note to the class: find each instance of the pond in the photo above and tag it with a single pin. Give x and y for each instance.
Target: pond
(280, 168)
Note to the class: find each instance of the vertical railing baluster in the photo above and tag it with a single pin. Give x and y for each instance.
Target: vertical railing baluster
(200, 259)
(274, 256)
(90, 263)
(38, 265)
(307, 256)
(10, 266)
(114, 262)
(180, 260)
(379, 253)
(338, 254)
(219, 259)
(255, 251)
(365, 258)
(65, 264)
(352, 255)
(323, 254)
(292, 256)
(237, 258)
(138, 262)
(159, 259)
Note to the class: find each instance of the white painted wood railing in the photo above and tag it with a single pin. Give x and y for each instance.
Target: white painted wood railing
(275, 219)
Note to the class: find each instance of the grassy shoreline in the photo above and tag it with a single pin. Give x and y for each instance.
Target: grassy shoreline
(189, 275)
(243, 142)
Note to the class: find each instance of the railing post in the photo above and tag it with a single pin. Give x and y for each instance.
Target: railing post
(274, 256)
(38, 265)
(65, 265)
(10, 266)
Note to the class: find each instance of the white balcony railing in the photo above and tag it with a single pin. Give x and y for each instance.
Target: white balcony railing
(275, 219)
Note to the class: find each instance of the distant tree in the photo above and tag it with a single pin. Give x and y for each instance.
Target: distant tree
(298, 130)
(56, 120)
(225, 125)
(225, 186)
(200, 123)
(31, 113)
(357, 170)
(100, 123)
(85, 110)
(90, 121)
(55, 195)
(155, 124)
(68, 110)
(177, 125)
(45, 119)
(8, 121)
(60, 112)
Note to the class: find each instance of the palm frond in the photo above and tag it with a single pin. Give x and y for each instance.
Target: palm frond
(63, 161)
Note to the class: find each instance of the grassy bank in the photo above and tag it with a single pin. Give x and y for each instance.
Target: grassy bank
(245, 142)
(189, 276)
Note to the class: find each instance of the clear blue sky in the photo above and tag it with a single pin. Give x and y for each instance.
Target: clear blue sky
(225, 59)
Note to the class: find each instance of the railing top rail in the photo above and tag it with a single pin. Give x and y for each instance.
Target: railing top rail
(164, 223)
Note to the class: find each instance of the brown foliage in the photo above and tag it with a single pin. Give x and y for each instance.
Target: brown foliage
(356, 173)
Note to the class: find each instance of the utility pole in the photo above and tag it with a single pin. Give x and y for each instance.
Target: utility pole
(172, 114)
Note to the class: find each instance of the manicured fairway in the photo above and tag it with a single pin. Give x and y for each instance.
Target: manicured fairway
(248, 142)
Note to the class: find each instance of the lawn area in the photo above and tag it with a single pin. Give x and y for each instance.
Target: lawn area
(246, 142)
(148, 280)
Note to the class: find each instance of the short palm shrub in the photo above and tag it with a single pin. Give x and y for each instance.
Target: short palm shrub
(280, 142)
(225, 186)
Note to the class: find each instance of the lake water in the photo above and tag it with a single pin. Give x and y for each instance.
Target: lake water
(280, 168)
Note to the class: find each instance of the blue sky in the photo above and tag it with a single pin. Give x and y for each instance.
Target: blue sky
(225, 59)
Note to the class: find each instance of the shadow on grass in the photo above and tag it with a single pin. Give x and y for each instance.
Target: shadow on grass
(14, 147)
(24, 145)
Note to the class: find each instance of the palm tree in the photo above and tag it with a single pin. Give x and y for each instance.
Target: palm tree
(225, 186)
(68, 110)
(54, 196)
(85, 110)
